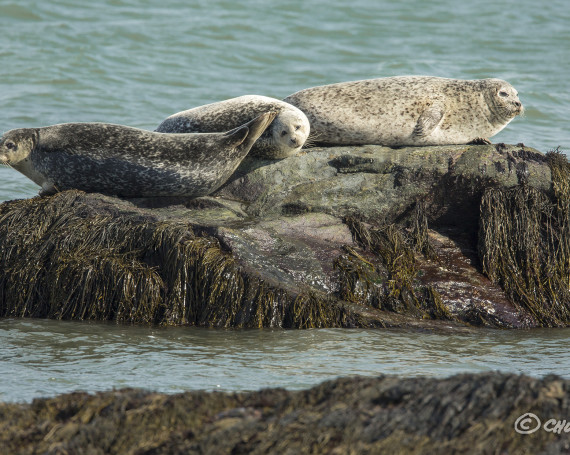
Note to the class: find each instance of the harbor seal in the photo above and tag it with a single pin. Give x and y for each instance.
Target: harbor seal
(408, 110)
(128, 162)
(284, 137)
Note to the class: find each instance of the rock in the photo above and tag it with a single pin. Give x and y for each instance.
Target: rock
(468, 413)
(378, 183)
(337, 237)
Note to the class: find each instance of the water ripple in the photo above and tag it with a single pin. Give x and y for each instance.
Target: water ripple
(42, 357)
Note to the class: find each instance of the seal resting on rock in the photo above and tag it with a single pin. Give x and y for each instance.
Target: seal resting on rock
(408, 110)
(284, 137)
(128, 162)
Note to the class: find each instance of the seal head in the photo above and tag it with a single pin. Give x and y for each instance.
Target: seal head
(16, 147)
(286, 136)
(502, 99)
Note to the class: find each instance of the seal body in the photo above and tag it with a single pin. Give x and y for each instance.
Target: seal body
(408, 110)
(128, 162)
(284, 137)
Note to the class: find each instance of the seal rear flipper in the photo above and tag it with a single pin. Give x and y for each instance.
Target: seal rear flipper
(245, 136)
(236, 136)
(427, 122)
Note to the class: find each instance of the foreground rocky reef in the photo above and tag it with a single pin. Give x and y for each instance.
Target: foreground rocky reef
(364, 236)
(462, 414)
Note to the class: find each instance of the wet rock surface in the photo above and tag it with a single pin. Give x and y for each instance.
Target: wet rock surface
(364, 236)
(461, 414)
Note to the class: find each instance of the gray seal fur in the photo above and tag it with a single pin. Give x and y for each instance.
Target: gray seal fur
(408, 110)
(283, 138)
(128, 162)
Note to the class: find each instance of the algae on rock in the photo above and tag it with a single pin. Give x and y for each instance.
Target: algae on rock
(525, 244)
(58, 262)
(468, 413)
(390, 285)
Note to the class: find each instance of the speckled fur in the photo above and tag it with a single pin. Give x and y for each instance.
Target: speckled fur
(128, 162)
(284, 137)
(407, 110)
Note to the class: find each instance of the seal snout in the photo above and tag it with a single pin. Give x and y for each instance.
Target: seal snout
(519, 108)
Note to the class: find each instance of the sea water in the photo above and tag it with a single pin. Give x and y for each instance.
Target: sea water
(42, 358)
(135, 62)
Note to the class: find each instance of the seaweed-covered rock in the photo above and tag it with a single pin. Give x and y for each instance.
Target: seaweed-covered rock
(462, 414)
(337, 237)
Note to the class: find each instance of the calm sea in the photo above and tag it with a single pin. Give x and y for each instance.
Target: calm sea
(44, 358)
(135, 62)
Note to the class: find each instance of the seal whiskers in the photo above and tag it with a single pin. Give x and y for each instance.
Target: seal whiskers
(312, 140)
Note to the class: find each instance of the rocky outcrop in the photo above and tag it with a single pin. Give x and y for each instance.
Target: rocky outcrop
(462, 414)
(336, 237)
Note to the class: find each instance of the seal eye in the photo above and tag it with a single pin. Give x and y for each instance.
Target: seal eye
(297, 127)
(10, 145)
(283, 133)
(503, 93)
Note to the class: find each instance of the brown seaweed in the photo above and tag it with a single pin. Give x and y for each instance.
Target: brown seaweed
(60, 263)
(524, 244)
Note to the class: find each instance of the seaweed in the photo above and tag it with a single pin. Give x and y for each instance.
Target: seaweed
(419, 231)
(468, 413)
(61, 260)
(388, 282)
(524, 244)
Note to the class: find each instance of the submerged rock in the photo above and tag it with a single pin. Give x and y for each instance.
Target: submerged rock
(462, 414)
(338, 237)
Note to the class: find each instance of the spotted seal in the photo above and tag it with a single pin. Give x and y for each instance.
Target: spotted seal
(408, 110)
(284, 137)
(128, 162)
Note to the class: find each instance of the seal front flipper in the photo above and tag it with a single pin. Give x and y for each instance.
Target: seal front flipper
(480, 141)
(243, 137)
(427, 122)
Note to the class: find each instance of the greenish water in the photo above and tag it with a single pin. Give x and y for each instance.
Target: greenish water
(135, 62)
(45, 358)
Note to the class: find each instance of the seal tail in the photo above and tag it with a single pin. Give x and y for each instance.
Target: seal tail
(245, 136)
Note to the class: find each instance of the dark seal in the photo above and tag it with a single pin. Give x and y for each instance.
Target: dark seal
(128, 162)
